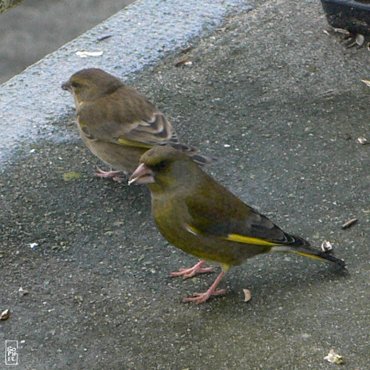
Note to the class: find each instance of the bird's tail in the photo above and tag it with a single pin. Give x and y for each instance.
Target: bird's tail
(310, 252)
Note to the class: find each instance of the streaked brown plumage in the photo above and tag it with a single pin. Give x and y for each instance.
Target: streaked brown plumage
(201, 217)
(117, 123)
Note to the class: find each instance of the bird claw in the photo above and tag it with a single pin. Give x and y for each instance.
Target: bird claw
(197, 269)
(203, 297)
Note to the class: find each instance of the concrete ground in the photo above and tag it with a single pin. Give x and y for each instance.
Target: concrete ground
(281, 104)
(37, 27)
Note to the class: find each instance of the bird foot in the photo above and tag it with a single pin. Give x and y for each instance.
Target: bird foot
(109, 175)
(197, 269)
(203, 297)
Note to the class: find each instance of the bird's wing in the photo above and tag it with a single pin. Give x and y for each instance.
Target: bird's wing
(218, 213)
(131, 121)
(154, 130)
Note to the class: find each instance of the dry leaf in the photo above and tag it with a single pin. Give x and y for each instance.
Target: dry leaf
(183, 62)
(326, 246)
(366, 82)
(4, 315)
(342, 31)
(70, 176)
(349, 223)
(334, 358)
(22, 291)
(104, 38)
(362, 140)
(360, 39)
(247, 295)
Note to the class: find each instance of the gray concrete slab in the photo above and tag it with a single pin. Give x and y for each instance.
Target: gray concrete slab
(36, 28)
(281, 104)
(140, 35)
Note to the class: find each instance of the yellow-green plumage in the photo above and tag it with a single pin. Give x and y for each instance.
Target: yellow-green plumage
(117, 123)
(201, 217)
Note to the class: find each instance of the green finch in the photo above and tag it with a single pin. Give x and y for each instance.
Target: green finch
(201, 217)
(118, 124)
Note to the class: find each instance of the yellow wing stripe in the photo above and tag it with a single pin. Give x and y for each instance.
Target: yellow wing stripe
(234, 237)
(192, 229)
(308, 255)
(247, 240)
(133, 143)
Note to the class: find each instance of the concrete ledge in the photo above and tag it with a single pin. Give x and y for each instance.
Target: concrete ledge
(141, 34)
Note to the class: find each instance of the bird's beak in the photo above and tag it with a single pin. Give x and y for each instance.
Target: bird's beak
(67, 86)
(142, 175)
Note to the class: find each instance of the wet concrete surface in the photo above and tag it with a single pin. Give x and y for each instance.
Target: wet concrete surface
(281, 105)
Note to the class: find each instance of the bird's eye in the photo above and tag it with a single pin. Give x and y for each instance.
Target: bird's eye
(75, 84)
(161, 165)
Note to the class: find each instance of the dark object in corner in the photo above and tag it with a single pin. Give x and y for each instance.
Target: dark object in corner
(351, 15)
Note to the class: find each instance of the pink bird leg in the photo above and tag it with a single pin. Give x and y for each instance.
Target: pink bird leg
(203, 297)
(192, 271)
(109, 174)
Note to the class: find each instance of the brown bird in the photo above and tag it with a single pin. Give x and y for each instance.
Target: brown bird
(201, 217)
(118, 124)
